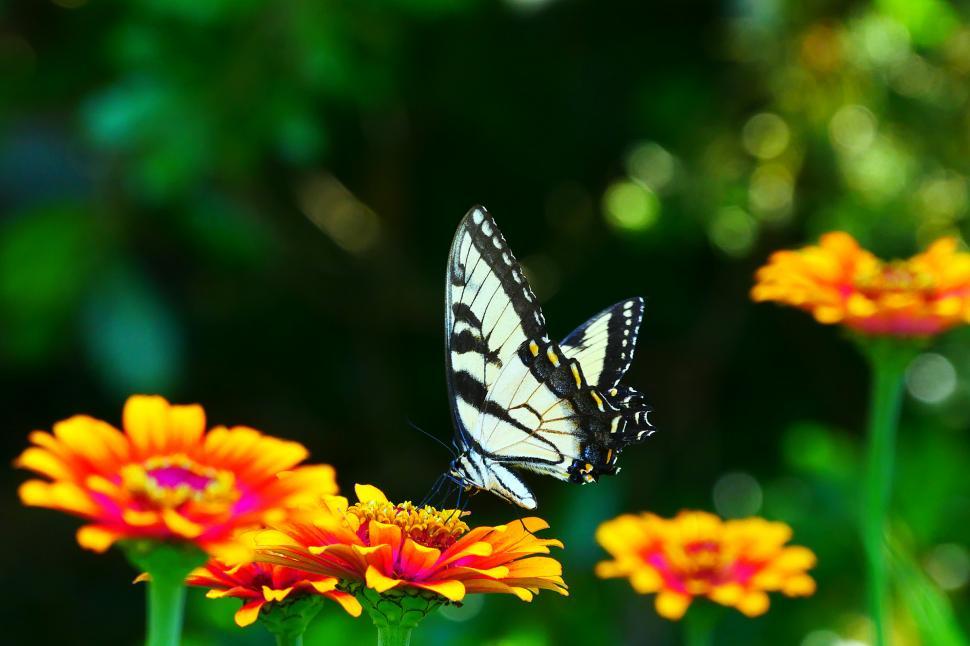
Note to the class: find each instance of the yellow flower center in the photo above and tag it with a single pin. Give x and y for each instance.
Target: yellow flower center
(896, 276)
(425, 525)
(173, 480)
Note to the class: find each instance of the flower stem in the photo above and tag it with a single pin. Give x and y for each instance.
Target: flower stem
(166, 603)
(888, 359)
(389, 635)
(289, 640)
(289, 619)
(699, 625)
(167, 566)
(397, 612)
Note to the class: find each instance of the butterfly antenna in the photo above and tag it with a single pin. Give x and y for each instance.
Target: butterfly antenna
(435, 488)
(436, 439)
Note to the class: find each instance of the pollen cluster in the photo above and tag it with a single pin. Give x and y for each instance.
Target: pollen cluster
(424, 525)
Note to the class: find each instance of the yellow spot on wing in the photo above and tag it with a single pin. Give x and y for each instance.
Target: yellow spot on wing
(553, 357)
(597, 399)
(534, 348)
(576, 375)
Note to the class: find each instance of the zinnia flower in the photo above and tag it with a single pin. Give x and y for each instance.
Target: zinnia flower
(259, 584)
(382, 546)
(165, 477)
(839, 282)
(696, 554)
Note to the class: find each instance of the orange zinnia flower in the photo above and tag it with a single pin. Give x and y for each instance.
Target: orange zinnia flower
(258, 584)
(696, 554)
(385, 546)
(839, 282)
(165, 477)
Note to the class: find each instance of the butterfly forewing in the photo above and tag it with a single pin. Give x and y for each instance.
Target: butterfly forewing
(490, 311)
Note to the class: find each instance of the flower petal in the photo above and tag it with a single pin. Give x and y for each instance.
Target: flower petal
(671, 605)
(450, 590)
(369, 493)
(248, 614)
(97, 538)
(378, 582)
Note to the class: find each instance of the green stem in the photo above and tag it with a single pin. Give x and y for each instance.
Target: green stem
(888, 359)
(699, 624)
(388, 635)
(397, 612)
(166, 603)
(289, 640)
(167, 565)
(288, 620)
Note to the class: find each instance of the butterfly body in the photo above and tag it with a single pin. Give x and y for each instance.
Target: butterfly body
(520, 401)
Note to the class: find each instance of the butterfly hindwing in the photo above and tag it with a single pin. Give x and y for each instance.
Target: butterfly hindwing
(605, 343)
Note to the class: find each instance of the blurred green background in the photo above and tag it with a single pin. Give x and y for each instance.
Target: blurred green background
(248, 204)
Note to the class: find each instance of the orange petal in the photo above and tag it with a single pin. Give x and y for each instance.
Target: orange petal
(145, 419)
(417, 560)
(671, 605)
(45, 463)
(450, 590)
(181, 525)
(186, 427)
(63, 495)
(754, 603)
(96, 538)
(144, 577)
(347, 601)
(369, 493)
(327, 585)
(276, 595)
(248, 614)
(378, 581)
(138, 518)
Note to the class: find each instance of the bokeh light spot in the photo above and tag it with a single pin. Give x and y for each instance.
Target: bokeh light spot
(884, 41)
(630, 206)
(470, 608)
(771, 192)
(651, 164)
(880, 173)
(852, 129)
(942, 196)
(765, 135)
(338, 213)
(948, 565)
(737, 495)
(733, 231)
(931, 378)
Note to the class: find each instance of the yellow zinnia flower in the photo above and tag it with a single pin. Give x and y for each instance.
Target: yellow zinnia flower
(696, 554)
(839, 282)
(164, 477)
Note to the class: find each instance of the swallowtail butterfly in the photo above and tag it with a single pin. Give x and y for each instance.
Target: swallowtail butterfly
(521, 401)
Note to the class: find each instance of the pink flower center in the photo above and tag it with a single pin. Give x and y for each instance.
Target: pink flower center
(695, 567)
(171, 481)
(174, 476)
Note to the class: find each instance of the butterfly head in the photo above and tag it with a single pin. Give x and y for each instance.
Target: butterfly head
(473, 471)
(465, 473)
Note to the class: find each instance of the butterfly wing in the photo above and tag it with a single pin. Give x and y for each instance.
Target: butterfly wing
(518, 399)
(490, 311)
(605, 343)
